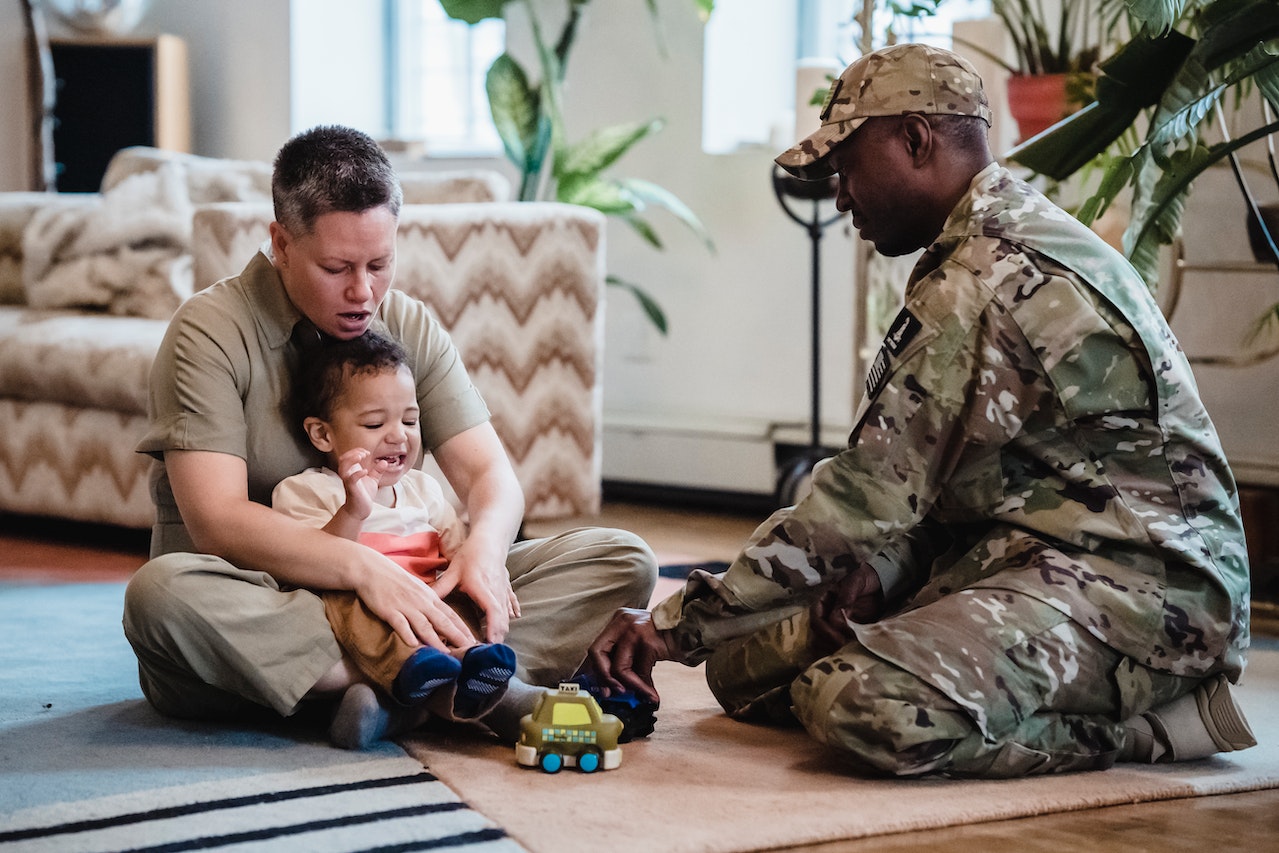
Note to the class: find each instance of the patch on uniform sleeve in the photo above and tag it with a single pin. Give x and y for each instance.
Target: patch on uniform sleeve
(903, 329)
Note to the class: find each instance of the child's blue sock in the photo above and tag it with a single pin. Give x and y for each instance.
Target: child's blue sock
(486, 669)
(426, 670)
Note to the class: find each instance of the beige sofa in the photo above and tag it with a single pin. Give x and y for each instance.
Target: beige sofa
(87, 283)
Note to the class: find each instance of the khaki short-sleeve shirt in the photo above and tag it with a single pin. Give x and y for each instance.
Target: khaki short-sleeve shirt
(221, 382)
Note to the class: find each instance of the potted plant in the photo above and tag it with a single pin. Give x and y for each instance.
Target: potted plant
(1184, 59)
(529, 119)
(1052, 72)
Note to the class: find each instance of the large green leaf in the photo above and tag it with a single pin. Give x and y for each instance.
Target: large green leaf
(1116, 174)
(601, 148)
(513, 104)
(1159, 200)
(1231, 41)
(521, 122)
(473, 11)
(606, 196)
(1131, 80)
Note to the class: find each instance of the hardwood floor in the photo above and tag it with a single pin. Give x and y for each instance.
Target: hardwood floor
(34, 549)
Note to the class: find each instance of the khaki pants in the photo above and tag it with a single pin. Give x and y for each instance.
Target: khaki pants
(216, 641)
(375, 649)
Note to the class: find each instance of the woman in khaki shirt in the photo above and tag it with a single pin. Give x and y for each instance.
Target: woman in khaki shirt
(222, 619)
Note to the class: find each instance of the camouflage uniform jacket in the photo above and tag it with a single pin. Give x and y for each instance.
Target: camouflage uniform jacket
(1031, 424)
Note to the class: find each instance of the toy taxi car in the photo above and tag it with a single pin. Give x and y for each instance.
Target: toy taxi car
(568, 728)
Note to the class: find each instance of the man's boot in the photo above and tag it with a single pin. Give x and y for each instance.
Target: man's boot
(1201, 723)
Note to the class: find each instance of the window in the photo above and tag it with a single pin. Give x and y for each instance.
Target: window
(765, 58)
(435, 72)
(396, 69)
(828, 28)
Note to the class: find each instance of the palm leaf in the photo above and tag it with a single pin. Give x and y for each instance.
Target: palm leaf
(1155, 17)
(1161, 193)
(1117, 173)
(1159, 200)
(1237, 41)
(1131, 81)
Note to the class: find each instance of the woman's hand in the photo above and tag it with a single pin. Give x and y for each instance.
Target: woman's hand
(476, 465)
(478, 571)
(415, 611)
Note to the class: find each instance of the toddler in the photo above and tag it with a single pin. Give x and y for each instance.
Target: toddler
(357, 403)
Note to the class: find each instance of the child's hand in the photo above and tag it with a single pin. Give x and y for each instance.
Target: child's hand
(361, 475)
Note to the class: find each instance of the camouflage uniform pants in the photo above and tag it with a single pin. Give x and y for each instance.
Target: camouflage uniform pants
(984, 682)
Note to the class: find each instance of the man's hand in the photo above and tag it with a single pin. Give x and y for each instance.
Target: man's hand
(856, 599)
(624, 653)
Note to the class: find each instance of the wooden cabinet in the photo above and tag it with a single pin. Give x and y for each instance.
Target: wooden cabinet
(112, 94)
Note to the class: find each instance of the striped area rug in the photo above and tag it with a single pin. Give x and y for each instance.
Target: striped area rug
(389, 804)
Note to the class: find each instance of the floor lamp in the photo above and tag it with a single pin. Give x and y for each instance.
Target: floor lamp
(794, 473)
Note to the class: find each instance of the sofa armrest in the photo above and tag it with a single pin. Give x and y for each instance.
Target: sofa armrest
(459, 186)
(520, 287)
(224, 237)
(16, 210)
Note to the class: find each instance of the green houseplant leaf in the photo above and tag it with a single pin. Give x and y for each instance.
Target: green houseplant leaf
(1158, 212)
(651, 309)
(650, 193)
(473, 11)
(520, 122)
(602, 148)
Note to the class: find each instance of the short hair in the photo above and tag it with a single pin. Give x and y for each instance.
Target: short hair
(965, 132)
(323, 371)
(331, 168)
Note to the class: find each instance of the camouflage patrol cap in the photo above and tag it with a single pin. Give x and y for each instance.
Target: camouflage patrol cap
(903, 78)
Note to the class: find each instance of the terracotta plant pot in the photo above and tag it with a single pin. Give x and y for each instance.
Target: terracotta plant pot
(1038, 101)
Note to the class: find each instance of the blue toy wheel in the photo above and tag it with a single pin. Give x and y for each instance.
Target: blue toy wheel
(551, 762)
(588, 762)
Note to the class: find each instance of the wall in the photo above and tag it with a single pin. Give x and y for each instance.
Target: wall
(15, 126)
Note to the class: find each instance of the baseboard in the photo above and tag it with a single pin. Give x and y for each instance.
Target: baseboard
(710, 500)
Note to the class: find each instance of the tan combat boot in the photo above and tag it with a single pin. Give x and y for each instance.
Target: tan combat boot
(1201, 723)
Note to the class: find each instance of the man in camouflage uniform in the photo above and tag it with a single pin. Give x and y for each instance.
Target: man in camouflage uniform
(1029, 558)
